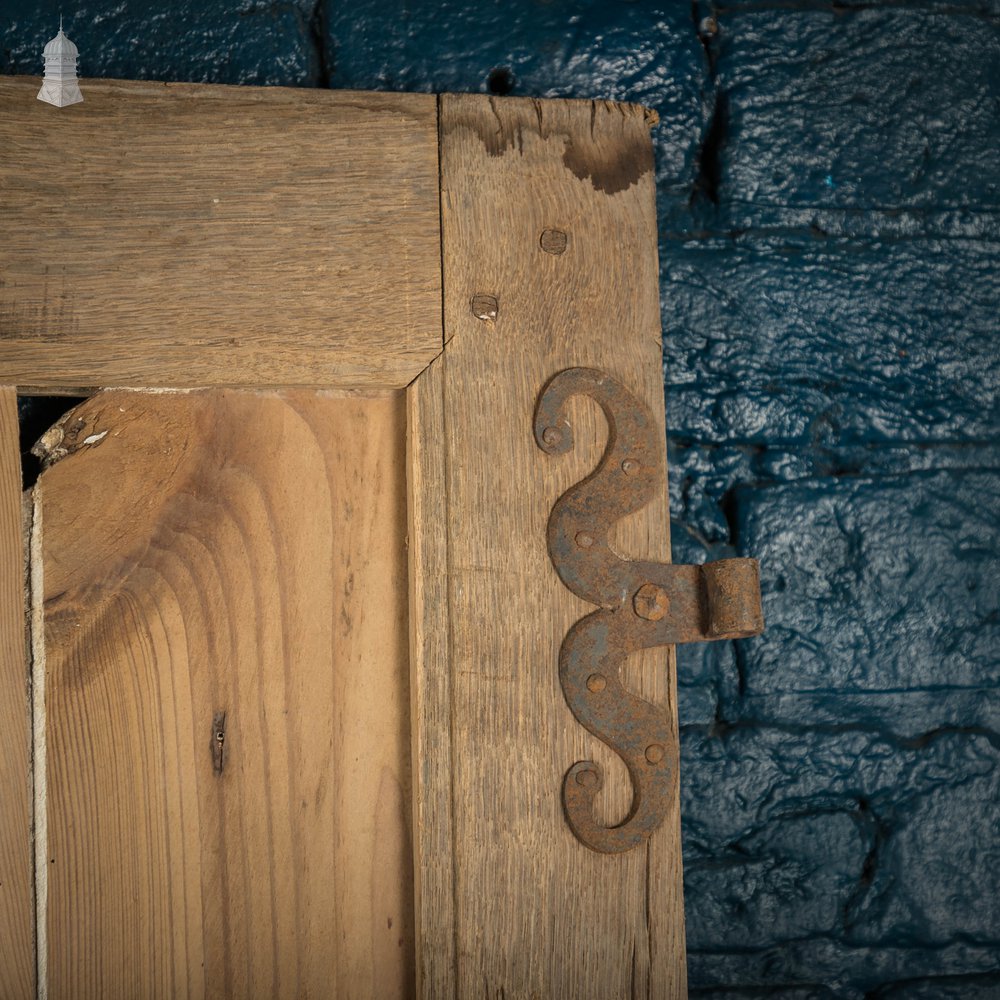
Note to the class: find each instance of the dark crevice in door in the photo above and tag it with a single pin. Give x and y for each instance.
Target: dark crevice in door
(36, 414)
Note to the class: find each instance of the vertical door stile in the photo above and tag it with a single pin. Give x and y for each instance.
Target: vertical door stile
(549, 262)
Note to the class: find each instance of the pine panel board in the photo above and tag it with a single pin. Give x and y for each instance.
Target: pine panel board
(17, 932)
(536, 913)
(225, 551)
(189, 234)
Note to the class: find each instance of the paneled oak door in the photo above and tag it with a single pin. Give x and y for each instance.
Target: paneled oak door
(291, 723)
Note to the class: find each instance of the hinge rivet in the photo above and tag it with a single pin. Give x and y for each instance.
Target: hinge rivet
(584, 540)
(651, 602)
(654, 753)
(552, 436)
(586, 778)
(596, 682)
(630, 466)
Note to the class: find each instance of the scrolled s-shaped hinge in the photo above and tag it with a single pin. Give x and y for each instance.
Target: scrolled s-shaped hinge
(640, 604)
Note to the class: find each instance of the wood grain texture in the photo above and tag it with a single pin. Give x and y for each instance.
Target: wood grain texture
(186, 235)
(17, 931)
(430, 685)
(224, 551)
(536, 913)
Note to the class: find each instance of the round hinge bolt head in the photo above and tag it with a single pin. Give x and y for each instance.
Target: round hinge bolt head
(654, 753)
(651, 602)
(584, 540)
(552, 436)
(596, 682)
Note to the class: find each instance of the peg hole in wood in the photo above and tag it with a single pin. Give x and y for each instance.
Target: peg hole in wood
(553, 241)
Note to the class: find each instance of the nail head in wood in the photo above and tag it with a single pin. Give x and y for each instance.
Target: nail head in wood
(485, 307)
(218, 741)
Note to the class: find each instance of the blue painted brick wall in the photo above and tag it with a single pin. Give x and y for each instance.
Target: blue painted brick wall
(829, 201)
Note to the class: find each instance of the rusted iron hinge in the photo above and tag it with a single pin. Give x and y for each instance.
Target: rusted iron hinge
(641, 604)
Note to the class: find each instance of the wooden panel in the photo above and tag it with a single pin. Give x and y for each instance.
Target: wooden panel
(536, 913)
(184, 234)
(242, 553)
(17, 932)
(430, 686)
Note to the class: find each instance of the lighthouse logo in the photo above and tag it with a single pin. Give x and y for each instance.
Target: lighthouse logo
(60, 86)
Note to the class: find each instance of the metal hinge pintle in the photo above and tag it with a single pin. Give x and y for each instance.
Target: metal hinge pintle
(640, 604)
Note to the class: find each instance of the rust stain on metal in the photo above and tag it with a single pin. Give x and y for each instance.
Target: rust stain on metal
(651, 602)
(641, 604)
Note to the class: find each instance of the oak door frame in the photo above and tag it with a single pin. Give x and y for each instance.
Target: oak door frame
(499, 241)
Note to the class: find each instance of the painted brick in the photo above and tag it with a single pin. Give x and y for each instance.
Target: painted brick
(856, 107)
(198, 41)
(821, 344)
(882, 602)
(831, 856)
(643, 52)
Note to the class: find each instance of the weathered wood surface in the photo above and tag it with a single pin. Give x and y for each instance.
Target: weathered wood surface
(183, 235)
(430, 685)
(244, 553)
(17, 931)
(550, 261)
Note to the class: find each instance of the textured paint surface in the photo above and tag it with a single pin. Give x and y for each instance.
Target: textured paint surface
(829, 199)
